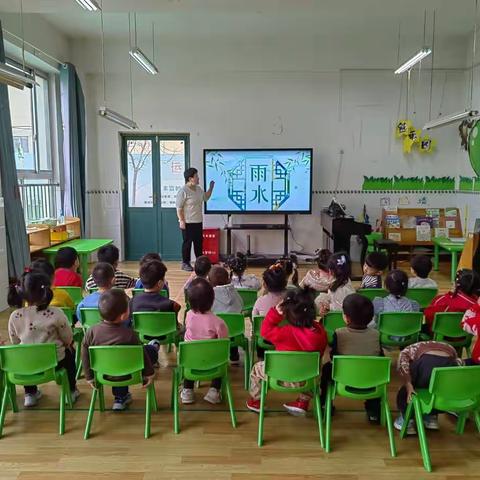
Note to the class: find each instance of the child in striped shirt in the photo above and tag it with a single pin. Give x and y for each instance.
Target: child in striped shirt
(110, 254)
(375, 264)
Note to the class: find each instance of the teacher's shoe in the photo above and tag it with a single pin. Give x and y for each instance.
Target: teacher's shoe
(187, 267)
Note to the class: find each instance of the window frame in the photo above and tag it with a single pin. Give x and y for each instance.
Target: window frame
(37, 172)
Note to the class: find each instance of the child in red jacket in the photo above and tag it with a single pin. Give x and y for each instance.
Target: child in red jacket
(471, 324)
(463, 297)
(301, 333)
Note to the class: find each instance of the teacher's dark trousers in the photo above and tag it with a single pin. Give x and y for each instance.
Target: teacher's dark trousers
(193, 233)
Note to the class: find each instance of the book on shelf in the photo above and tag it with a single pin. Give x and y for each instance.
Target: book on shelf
(392, 221)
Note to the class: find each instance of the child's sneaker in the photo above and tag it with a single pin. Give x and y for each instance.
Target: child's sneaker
(120, 404)
(75, 394)
(253, 405)
(155, 343)
(213, 396)
(298, 408)
(31, 399)
(186, 395)
(430, 422)
(398, 424)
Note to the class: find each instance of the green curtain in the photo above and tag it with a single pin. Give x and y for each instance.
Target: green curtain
(73, 117)
(18, 252)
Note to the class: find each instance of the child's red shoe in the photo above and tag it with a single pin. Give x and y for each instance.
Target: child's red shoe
(298, 408)
(253, 405)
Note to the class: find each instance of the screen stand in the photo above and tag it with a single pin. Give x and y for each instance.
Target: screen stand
(285, 227)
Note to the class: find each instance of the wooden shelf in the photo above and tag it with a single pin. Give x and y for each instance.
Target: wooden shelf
(43, 236)
(409, 235)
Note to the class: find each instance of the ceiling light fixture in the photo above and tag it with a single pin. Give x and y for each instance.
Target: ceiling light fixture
(104, 111)
(143, 60)
(454, 117)
(90, 5)
(137, 54)
(418, 57)
(116, 117)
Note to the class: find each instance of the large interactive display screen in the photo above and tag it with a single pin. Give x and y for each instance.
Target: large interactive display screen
(259, 181)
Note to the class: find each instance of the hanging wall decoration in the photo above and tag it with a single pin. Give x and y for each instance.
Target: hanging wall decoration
(402, 128)
(412, 138)
(426, 144)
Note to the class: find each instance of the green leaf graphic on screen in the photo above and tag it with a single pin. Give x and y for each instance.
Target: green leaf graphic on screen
(474, 147)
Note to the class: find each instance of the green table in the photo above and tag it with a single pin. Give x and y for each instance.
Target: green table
(84, 248)
(452, 247)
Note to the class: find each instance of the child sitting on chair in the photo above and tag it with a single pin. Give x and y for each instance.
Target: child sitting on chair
(319, 278)
(274, 286)
(60, 297)
(355, 339)
(397, 284)
(421, 266)
(152, 275)
(463, 297)
(110, 254)
(301, 333)
(227, 300)
(104, 276)
(340, 269)
(66, 266)
(373, 268)
(113, 306)
(201, 269)
(148, 257)
(38, 322)
(290, 266)
(237, 264)
(471, 324)
(415, 365)
(202, 324)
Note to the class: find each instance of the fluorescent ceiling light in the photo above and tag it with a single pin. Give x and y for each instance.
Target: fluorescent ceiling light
(90, 5)
(117, 118)
(424, 52)
(143, 60)
(455, 117)
(16, 77)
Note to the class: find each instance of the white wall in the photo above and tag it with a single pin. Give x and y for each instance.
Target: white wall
(234, 93)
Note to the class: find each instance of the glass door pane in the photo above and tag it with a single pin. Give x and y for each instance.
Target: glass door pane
(172, 166)
(139, 174)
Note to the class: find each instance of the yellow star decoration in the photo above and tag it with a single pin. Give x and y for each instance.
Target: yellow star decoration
(426, 144)
(412, 138)
(402, 128)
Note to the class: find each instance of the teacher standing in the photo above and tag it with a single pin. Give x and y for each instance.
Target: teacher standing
(189, 203)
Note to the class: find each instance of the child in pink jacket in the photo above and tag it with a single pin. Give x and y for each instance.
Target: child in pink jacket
(202, 324)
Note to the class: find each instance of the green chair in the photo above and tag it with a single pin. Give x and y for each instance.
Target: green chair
(371, 237)
(136, 291)
(159, 325)
(371, 293)
(77, 339)
(187, 306)
(331, 321)
(291, 367)
(360, 378)
(257, 340)
(76, 293)
(399, 329)
(32, 364)
(447, 328)
(93, 289)
(249, 297)
(236, 330)
(202, 360)
(423, 296)
(89, 316)
(451, 389)
(125, 364)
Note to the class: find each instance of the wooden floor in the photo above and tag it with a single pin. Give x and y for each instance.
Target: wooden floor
(209, 448)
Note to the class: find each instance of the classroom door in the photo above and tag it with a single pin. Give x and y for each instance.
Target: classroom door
(153, 167)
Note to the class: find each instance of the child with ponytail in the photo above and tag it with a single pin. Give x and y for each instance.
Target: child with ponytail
(35, 321)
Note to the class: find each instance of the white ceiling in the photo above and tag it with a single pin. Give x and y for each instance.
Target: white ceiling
(262, 18)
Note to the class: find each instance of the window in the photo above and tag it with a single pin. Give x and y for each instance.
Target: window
(32, 125)
(30, 114)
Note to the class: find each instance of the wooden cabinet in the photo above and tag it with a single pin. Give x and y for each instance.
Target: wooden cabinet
(42, 236)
